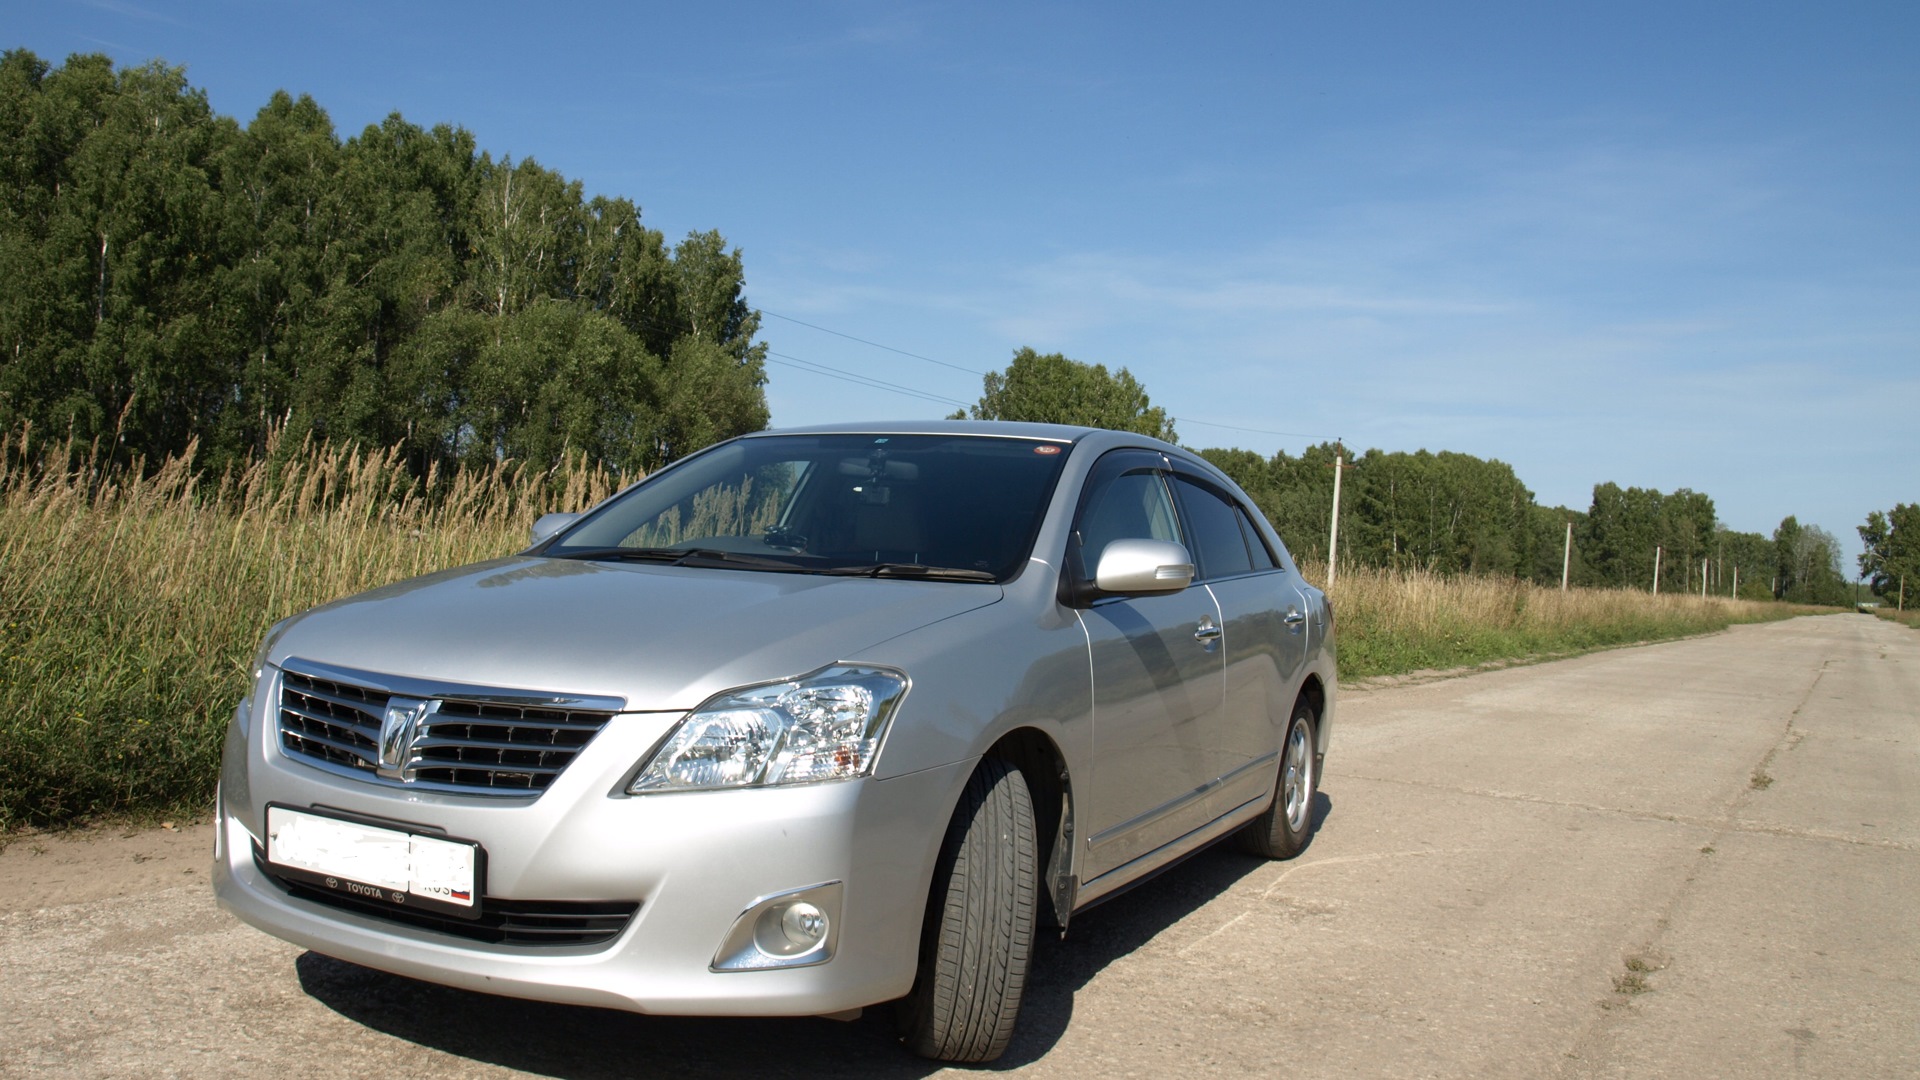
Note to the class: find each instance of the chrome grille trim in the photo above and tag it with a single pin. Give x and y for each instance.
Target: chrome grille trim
(480, 741)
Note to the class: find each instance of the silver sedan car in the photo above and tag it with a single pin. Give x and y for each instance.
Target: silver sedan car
(810, 721)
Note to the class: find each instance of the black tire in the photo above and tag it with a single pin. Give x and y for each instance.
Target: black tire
(1282, 831)
(978, 934)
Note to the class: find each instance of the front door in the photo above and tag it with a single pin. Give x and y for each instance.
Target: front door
(1158, 676)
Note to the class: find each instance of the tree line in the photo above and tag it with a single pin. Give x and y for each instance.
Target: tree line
(1891, 559)
(175, 279)
(1454, 513)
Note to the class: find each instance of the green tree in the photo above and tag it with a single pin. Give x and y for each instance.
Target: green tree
(1788, 550)
(1807, 564)
(1048, 388)
(1548, 549)
(1445, 512)
(711, 386)
(1891, 559)
(1745, 559)
(523, 397)
(108, 240)
(1628, 530)
(174, 279)
(1686, 524)
(285, 284)
(1621, 534)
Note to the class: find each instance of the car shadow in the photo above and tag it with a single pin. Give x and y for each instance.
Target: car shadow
(582, 1043)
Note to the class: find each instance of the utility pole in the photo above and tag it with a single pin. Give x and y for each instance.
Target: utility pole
(1566, 557)
(1703, 579)
(1656, 569)
(1333, 530)
(1735, 594)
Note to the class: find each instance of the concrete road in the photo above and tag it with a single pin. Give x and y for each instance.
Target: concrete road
(1699, 859)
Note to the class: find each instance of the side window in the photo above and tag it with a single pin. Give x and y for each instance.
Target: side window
(1127, 499)
(1256, 545)
(1134, 506)
(1217, 543)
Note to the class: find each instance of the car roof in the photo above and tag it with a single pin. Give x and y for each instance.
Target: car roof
(1006, 429)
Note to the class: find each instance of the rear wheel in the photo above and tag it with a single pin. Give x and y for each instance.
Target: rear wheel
(1283, 831)
(978, 934)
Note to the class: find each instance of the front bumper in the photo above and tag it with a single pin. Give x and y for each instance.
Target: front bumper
(693, 862)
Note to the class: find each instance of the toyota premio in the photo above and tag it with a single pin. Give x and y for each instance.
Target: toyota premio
(807, 722)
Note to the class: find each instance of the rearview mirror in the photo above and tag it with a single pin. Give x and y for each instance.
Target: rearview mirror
(1143, 566)
(550, 524)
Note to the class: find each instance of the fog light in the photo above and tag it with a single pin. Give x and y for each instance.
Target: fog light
(803, 924)
(791, 929)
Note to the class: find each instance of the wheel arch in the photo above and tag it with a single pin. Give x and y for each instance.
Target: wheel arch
(1050, 785)
(1314, 693)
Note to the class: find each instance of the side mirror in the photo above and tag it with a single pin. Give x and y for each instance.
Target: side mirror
(550, 524)
(1143, 566)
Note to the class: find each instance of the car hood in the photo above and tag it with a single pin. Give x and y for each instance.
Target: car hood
(662, 637)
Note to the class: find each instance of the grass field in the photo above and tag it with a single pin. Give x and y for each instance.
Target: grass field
(130, 607)
(1909, 617)
(1391, 623)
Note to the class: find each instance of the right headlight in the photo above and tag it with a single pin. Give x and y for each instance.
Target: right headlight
(823, 726)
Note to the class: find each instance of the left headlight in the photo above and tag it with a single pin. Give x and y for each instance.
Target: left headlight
(823, 726)
(267, 642)
(243, 713)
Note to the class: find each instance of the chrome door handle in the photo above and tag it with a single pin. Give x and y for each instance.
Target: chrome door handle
(1293, 620)
(1207, 631)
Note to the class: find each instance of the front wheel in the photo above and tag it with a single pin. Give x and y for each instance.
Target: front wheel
(978, 934)
(1284, 829)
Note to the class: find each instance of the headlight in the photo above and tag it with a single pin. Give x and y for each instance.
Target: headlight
(823, 726)
(243, 714)
(267, 643)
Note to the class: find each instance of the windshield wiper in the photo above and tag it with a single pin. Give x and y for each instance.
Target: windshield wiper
(679, 557)
(653, 554)
(676, 556)
(910, 570)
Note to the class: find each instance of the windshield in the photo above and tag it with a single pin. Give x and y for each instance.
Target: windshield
(954, 507)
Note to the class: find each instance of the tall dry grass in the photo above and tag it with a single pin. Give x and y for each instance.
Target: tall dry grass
(1908, 617)
(1391, 622)
(131, 601)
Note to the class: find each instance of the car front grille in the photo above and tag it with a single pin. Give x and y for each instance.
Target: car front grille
(521, 923)
(477, 740)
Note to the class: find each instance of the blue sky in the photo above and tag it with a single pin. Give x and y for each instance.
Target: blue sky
(1670, 244)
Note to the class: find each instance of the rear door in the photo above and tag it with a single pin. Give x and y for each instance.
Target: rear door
(1264, 638)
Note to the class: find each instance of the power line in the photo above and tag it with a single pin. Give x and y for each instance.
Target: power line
(830, 372)
(874, 344)
(863, 380)
(1255, 430)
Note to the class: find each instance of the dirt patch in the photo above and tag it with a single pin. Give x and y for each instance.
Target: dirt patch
(47, 869)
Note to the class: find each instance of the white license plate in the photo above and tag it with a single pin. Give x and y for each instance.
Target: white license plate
(374, 863)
